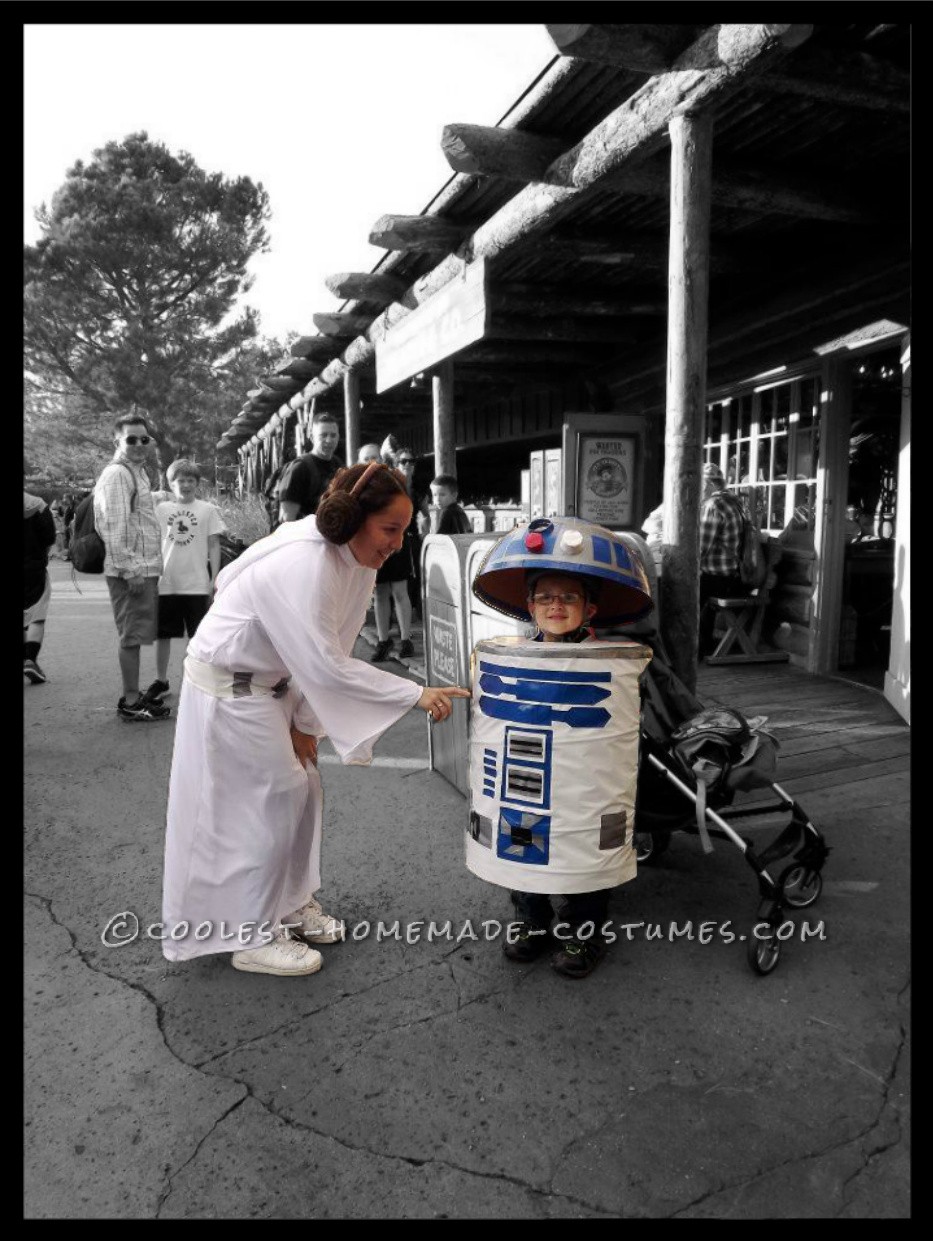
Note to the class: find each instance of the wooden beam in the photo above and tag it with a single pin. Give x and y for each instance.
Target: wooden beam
(485, 150)
(417, 232)
(521, 353)
(338, 324)
(445, 440)
(635, 130)
(313, 347)
(521, 297)
(847, 78)
(367, 286)
(648, 251)
(300, 368)
(279, 383)
(518, 327)
(691, 165)
(644, 48)
(761, 190)
(351, 410)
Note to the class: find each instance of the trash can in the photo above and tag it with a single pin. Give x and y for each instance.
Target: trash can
(454, 620)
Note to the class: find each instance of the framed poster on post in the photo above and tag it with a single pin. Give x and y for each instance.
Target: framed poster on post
(605, 479)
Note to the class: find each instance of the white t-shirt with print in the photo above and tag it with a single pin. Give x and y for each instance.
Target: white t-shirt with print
(185, 529)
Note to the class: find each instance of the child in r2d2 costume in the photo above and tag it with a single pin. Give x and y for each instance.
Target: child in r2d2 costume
(554, 735)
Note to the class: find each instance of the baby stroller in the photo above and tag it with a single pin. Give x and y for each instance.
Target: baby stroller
(692, 764)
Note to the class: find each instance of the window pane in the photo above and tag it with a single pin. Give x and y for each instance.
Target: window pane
(743, 425)
(779, 460)
(714, 424)
(776, 510)
(766, 410)
(803, 466)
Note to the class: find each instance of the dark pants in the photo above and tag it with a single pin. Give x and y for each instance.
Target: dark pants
(576, 908)
(714, 586)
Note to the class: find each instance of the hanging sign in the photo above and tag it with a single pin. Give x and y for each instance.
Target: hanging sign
(440, 327)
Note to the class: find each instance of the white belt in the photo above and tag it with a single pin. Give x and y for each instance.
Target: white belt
(223, 683)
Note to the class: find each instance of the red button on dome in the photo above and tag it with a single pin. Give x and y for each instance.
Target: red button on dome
(534, 541)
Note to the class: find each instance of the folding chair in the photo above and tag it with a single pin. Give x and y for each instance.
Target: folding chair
(744, 617)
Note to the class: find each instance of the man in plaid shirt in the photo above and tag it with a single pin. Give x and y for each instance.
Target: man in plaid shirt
(721, 524)
(125, 518)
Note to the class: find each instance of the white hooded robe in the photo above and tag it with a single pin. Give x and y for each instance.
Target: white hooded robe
(243, 835)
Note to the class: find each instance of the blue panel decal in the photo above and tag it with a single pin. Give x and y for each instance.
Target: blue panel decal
(542, 674)
(602, 549)
(545, 691)
(523, 837)
(542, 714)
(489, 753)
(622, 556)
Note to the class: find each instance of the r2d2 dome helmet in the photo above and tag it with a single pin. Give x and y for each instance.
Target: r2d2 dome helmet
(565, 545)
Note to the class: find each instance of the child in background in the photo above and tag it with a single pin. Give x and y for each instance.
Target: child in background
(452, 520)
(191, 530)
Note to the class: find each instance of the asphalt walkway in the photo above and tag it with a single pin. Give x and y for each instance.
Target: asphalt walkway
(417, 1079)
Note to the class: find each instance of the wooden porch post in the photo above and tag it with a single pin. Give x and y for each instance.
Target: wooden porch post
(688, 291)
(442, 390)
(351, 409)
(687, 323)
(832, 483)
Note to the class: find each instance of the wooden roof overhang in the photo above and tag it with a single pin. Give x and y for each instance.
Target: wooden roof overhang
(568, 201)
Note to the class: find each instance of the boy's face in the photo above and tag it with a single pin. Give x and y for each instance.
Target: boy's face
(184, 487)
(325, 436)
(558, 604)
(443, 496)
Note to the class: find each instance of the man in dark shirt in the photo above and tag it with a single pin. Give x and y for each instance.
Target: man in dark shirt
(306, 479)
(452, 520)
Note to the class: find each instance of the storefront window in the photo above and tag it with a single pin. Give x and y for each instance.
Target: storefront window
(767, 443)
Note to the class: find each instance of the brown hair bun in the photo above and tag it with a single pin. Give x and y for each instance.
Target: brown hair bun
(339, 517)
(340, 514)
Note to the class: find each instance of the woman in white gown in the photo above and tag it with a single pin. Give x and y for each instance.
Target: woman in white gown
(268, 673)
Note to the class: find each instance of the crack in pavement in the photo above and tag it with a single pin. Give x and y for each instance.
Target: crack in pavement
(170, 1178)
(819, 1154)
(886, 1106)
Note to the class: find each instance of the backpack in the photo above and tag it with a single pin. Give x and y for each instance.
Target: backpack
(725, 753)
(753, 565)
(87, 547)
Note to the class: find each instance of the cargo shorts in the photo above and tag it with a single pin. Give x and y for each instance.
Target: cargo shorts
(135, 615)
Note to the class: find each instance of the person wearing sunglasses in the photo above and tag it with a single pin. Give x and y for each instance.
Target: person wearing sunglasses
(125, 518)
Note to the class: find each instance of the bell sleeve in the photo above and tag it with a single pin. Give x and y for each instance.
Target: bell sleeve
(303, 596)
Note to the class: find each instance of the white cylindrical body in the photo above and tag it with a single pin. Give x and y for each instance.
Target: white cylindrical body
(554, 763)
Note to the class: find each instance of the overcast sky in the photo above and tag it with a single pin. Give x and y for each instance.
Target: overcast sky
(340, 123)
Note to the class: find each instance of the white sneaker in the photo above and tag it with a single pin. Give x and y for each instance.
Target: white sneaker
(284, 956)
(314, 925)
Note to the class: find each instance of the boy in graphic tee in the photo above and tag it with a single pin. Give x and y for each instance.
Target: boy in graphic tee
(191, 530)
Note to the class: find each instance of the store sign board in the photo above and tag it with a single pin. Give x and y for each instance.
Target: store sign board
(443, 325)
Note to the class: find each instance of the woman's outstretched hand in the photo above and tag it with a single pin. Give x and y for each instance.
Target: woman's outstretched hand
(305, 747)
(436, 700)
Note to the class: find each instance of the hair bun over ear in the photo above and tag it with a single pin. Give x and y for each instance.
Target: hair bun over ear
(339, 516)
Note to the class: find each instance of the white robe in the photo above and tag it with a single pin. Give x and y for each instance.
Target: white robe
(243, 834)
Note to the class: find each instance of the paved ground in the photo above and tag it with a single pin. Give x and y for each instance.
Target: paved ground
(436, 1080)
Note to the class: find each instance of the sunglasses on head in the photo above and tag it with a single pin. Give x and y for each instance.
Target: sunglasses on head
(137, 439)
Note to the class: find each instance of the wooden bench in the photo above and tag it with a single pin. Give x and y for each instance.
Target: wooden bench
(744, 616)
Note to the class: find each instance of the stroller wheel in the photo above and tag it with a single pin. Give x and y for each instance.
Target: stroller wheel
(800, 887)
(763, 953)
(649, 847)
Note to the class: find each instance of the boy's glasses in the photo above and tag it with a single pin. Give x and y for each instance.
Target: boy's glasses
(406, 461)
(137, 439)
(569, 598)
